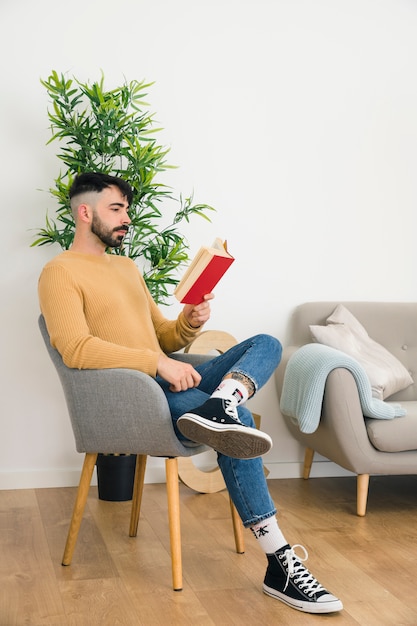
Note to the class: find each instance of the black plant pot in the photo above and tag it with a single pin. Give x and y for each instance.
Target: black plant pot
(115, 476)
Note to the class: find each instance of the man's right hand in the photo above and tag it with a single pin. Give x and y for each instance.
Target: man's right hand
(180, 375)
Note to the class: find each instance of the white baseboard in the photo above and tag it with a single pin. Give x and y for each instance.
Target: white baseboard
(41, 479)
(319, 469)
(155, 473)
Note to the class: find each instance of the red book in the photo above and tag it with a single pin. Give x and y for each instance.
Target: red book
(205, 271)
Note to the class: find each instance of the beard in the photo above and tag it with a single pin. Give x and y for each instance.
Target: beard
(107, 235)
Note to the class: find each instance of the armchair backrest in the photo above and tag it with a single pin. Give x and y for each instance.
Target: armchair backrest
(392, 324)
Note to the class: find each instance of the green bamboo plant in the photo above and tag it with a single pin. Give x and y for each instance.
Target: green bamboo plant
(112, 131)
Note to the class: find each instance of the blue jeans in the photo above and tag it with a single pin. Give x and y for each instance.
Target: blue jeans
(256, 358)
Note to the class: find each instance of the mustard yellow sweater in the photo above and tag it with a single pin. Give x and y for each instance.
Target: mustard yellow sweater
(100, 314)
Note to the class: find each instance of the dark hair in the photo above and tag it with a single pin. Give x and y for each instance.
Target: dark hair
(96, 181)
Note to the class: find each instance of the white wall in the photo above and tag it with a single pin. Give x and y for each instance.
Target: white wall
(296, 119)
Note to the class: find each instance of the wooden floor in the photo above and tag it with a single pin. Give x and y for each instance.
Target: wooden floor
(370, 563)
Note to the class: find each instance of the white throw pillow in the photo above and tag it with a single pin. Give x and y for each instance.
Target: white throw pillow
(344, 332)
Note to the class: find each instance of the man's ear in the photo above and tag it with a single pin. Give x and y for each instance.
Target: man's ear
(84, 212)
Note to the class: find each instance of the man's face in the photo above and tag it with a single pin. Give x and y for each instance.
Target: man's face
(111, 220)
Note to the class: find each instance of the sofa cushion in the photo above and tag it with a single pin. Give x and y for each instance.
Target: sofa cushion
(395, 435)
(344, 332)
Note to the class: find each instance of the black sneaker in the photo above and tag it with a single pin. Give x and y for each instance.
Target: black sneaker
(216, 424)
(289, 581)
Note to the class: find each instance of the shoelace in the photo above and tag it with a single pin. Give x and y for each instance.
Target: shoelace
(302, 577)
(230, 409)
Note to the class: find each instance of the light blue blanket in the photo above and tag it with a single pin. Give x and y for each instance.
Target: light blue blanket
(304, 380)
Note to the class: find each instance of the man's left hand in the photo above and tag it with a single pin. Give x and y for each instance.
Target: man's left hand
(198, 314)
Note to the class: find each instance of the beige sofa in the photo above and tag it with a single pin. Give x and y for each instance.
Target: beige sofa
(364, 446)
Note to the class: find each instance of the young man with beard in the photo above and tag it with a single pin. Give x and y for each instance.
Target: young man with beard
(100, 314)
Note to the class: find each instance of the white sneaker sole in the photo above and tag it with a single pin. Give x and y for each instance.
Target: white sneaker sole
(307, 607)
(234, 440)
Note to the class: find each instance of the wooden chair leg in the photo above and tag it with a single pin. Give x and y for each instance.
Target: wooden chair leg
(137, 493)
(173, 493)
(308, 462)
(78, 511)
(362, 485)
(237, 529)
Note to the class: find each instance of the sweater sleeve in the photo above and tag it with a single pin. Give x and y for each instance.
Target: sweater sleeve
(172, 334)
(63, 305)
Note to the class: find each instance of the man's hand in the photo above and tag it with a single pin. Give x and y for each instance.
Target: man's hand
(180, 375)
(198, 314)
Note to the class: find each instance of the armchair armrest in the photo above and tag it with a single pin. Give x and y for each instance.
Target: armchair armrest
(341, 435)
(117, 410)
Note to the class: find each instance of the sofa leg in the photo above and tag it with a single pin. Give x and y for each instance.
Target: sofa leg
(308, 461)
(362, 485)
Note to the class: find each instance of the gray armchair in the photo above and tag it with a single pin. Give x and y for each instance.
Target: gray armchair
(125, 411)
(362, 445)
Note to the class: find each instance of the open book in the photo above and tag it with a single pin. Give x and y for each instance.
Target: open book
(204, 272)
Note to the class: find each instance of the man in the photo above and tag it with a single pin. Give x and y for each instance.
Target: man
(100, 314)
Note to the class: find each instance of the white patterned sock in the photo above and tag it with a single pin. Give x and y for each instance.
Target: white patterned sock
(233, 390)
(269, 536)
